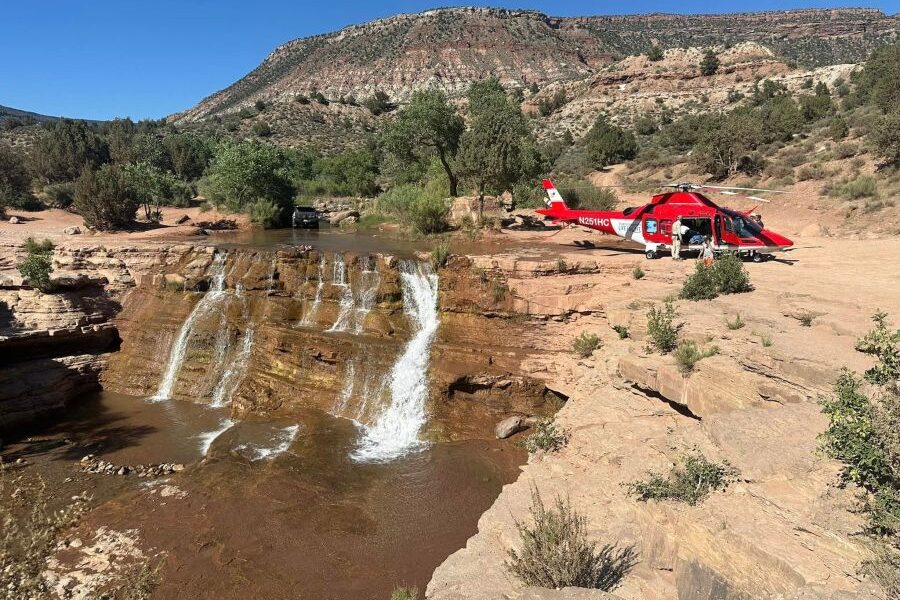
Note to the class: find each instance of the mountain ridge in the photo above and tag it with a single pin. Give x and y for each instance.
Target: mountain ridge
(450, 47)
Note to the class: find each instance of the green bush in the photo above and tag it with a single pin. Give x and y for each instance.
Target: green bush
(661, 330)
(428, 214)
(15, 182)
(60, 195)
(690, 480)
(262, 129)
(105, 198)
(884, 344)
(655, 53)
(863, 186)
(725, 276)
(687, 354)
(709, 64)
(700, 285)
(607, 144)
(585, 344)
(264, 212)
(637, 272)
(886, 138)
(584, 195)
(405, 593)
(38, 263)
(546, 436)
(440, 254)
(622, 331)
(806, 319)
(556, 553)
(737, 323)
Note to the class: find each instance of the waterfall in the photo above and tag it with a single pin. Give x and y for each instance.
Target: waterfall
(272, 270)
(234, 374)
(347, 390)
(179, 348)
(339, 278)
(368, 292)
(308, 317)
(396, 429)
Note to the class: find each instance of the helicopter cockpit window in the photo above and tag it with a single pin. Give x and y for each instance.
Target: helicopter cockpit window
(650, 226)
(728, 226)
(629, 210)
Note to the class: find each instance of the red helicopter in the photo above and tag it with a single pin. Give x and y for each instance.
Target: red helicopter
(651, 225)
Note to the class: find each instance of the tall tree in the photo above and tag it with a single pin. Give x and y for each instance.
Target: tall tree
(710, 63)
(65, 149)
(498, 149)
(607, 143)
(428, 124)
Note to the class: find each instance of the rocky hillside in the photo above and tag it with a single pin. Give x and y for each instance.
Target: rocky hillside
(449, 48)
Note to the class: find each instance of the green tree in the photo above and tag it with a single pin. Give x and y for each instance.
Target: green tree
(189, 155)
(655, 53)
(262, 129)
(879, 81)
(378, 103)
(151, 186)
(886, 138)
(105, 199)
(709, 64)
(498, 149)
(725, 147)
(245, 172)
(149, 148)
(607, 143)
(429, 124)
(781, 117)
(119, 134)
(15, 182)
(350, 173)
(65, 149)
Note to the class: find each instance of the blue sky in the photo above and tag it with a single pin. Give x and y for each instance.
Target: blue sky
(99, 59)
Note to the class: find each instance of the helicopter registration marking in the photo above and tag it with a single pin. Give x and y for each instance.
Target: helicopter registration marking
(593, 221)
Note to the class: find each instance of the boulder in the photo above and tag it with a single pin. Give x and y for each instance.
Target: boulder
(342, 215)
(14, 220)
(182, 219)
(73, 230)
(510, 426)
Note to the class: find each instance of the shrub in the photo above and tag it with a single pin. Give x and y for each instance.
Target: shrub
(622, 331)
(730, 275)
(244, 172)
(709, 64)
(546, 436)
(661, 330)
(65, 149)
(886, 138)
(428, 214)
(884, 344)
(687, 354)
(440, 254)
(690, 480)
(38, 264)
(638, 272)
(585, 344)
(264, 212)
(737, 323)
(60, 195)
(700, 285)
(814, 171)
(405, 593)
(262, 129)
(863, 186)
(607, 143)
(105, 198)
(806, 319)
(378, 103)
(838, 128)
(655, 53)
(584, 195)
(556, 553)
(766, 340)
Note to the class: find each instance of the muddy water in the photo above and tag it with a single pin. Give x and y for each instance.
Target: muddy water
(279, 509)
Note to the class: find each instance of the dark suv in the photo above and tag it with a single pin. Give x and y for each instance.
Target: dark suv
(305, 217)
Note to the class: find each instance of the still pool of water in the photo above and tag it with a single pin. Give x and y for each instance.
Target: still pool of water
(278, 508)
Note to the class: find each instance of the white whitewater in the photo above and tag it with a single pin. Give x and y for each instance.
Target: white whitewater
(207, 439)
(339, 279)
(347, 391)
(281, 443)
(396, 430)
(308, 317)
(234, 374)
(176, 356)
(368, 291)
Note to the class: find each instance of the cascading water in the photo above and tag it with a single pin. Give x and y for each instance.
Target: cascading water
(215, 294)
(233, 375)
(308, 317)
(396, 429)
(339, 278)
(347, 390)
(368, 291)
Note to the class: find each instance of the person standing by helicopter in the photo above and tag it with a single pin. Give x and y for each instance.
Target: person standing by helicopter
(678, 230)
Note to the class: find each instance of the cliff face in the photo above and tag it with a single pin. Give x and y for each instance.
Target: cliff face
(450, 48)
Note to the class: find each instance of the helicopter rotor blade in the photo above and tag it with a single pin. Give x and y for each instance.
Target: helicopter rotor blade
(742, 189)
